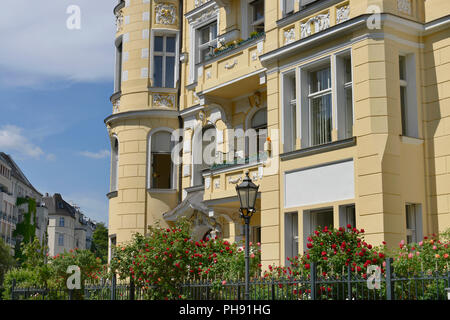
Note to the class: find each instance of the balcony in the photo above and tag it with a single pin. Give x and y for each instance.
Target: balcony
(233, 69)
(221, 179)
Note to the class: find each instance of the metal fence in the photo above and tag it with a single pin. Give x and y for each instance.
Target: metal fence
(347, 286)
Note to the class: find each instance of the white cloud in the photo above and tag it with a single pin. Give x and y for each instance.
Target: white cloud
(96, 155)
(38, 49)
(13, 140)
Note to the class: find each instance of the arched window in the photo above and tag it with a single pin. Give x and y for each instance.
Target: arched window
(161, 162)
(259, 125)
(114, 165)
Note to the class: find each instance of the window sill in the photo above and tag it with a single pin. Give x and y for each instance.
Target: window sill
(152, 190)
(335, 145)
(411, 140)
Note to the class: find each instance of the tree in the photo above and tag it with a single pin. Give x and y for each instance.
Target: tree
(6, 259)
(100, 242)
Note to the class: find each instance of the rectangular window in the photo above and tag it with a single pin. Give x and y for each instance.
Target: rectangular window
(291, 235)
(321, 218)
(118, 78)
(288, 7)
(290, 112)
(408, 98)
(161, 166)
(61, 239)
(320, 106)
(207, 40)
(164, 53)
(413, 223)
(347, 216)
(61, 221)
(257, 15)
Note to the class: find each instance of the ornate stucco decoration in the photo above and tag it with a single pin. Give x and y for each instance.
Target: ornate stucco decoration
(116, 106)
(217, 183)
(165, 13)
(321, 22)
(342, 14)
(207, 182)
(160, 100)
(119, 21)
(289, 36)
(231, 65)
(234, 180)
(198, 3)
(404, 6)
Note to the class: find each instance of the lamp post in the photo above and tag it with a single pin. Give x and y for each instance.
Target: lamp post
(247, 192)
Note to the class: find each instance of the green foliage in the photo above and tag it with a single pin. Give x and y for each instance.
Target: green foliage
(168, 256)
(27, 228)
(6, 259)
(428, 256)
(100, 242)
(334, 251)
(24, 278)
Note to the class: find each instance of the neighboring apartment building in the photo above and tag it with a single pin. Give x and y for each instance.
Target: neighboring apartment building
(14, 185)
(68, 228)
(350, 111)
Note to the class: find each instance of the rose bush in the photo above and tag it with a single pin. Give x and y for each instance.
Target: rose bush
(428, 255)
(168, 256)
(333, 251)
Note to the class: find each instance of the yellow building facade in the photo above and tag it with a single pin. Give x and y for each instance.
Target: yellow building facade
(339, 110)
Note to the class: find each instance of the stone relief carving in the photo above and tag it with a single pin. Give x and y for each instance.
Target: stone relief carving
(116, 106)
(217, 183)
(119, 21)
(289, 36)
(234, 180)
(167, 101)
(342, 14)
(321, 22)
(198, 3)
(404, 6)
(231, 65)
(165, 13)
(207, 182)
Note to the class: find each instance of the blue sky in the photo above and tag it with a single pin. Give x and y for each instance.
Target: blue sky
(55, 85)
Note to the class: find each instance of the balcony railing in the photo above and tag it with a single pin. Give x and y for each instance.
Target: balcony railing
(230, 46)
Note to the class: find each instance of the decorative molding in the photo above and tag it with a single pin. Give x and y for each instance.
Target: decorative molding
(217, 183)
(165, 13)
(404, 6)
(321, 22)
(234, 180)
(116, 106)
(198, 3)
(342, 14)
(119, 21)
(207, 182)
(289, 36)
(164, 100)
(232, 65)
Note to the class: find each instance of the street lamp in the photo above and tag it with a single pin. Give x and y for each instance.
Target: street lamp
(247, 192)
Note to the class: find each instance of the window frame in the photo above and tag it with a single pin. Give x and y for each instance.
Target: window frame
(311, 96)
(212, 42)
(164, 33)
(409, 111)
(173, 170)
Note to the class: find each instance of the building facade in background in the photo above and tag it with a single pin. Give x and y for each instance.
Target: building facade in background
(14, 189)
(68, 228)
(339, 110)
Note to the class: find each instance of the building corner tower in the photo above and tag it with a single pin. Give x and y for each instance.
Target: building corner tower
(144, 181)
